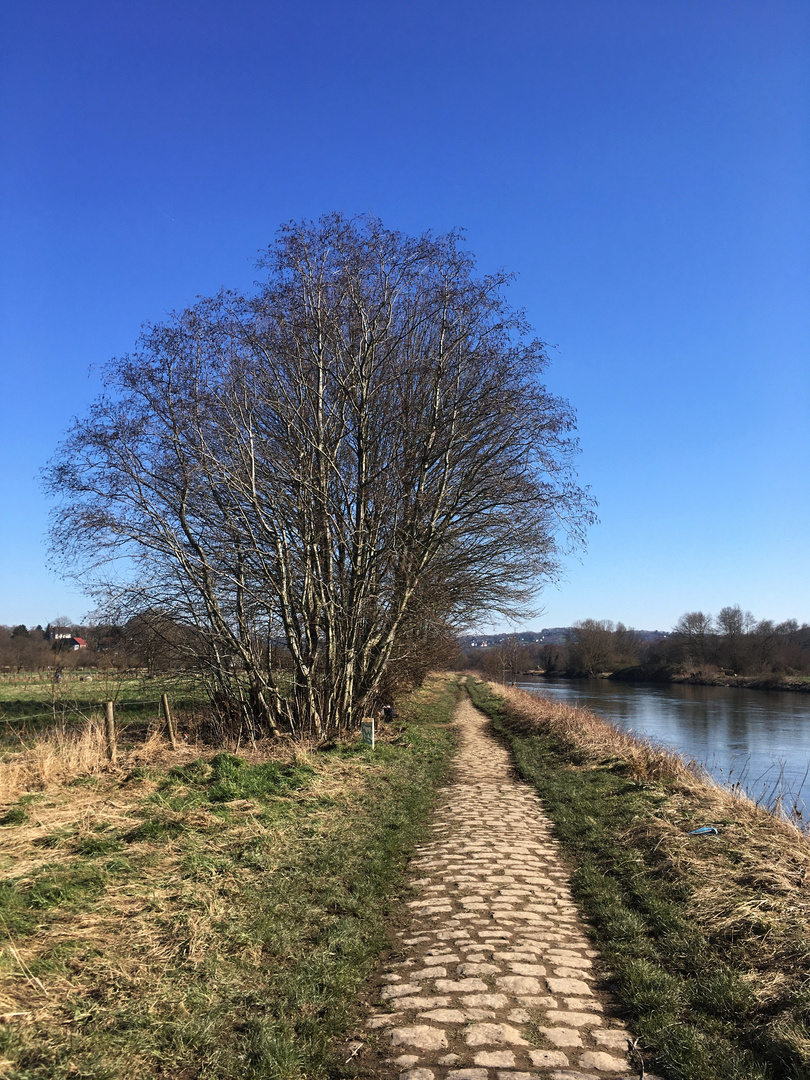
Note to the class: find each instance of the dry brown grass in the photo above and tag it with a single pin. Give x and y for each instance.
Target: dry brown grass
(243, 914)
(58, 756)
(147, 923)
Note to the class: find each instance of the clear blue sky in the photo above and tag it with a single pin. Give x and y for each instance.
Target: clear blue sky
(642, 165)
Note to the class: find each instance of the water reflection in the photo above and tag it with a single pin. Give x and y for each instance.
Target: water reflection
(758, 738)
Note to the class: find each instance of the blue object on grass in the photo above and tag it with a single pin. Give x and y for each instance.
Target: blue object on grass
(707, 830)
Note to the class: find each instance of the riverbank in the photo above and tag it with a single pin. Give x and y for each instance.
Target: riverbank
(705, 937)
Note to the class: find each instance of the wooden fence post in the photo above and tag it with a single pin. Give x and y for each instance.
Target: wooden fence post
(164, 700)
(109, 731)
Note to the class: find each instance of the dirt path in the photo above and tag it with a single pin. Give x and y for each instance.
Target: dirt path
(494, 980)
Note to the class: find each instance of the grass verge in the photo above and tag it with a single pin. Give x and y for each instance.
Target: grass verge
(209, 915)
(705, 939)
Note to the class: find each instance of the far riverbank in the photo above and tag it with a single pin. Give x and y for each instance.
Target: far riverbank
(792, 683)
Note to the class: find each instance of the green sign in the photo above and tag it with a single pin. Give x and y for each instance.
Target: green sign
(367, 732)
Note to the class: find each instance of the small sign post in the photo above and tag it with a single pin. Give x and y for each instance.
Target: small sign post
(367, 731)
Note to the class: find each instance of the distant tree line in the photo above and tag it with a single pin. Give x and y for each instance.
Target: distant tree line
(733, 642)
(148, 642)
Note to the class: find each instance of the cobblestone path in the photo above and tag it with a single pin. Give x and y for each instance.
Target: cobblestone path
(493, 979)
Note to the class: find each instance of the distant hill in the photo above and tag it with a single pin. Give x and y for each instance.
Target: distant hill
(550, 635)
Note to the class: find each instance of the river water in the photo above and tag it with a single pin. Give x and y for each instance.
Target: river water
(757, 738)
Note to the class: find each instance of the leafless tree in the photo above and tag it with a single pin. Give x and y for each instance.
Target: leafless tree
(591, 647)
(359, 451)
(693, 631)
(735, 627)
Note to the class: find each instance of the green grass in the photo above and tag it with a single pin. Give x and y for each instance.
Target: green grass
(689, 993)
(29, 703)
(229, 932)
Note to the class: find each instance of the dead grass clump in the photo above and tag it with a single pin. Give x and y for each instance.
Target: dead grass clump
(56, 756)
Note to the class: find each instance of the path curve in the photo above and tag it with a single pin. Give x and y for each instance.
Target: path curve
(493, 978)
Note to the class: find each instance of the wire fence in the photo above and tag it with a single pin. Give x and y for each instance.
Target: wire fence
(108, 714)
(75, 713)
(81, 711)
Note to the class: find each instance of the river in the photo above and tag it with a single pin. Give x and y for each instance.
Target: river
(757, 738)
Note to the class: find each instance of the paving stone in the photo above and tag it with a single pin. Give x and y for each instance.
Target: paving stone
(546, 1059)
(571, 960)
(421, 1036)
(560, 1036)
(568, 986)
(580, 1004)
(575, 1019)
(460, 986)
(577, 1074)
(529, 957)
(598, 1059)
(444, 1016)
(495, 1059)
(375, 1022)
(399, 990)
(423, 1001)
(493, 1035)
(615, 1038)
(494, 942)
(520, 984)
(571, 973)
(477, 969)
(531, 970)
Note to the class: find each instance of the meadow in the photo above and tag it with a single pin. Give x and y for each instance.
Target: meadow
(34, 701)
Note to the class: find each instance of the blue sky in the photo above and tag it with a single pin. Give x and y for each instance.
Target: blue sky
(642, 167)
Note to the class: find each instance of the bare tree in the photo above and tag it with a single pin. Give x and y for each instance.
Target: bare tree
(694, 631)
(515, 656)
(591, 647)
(359, 451)
(735, 627)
